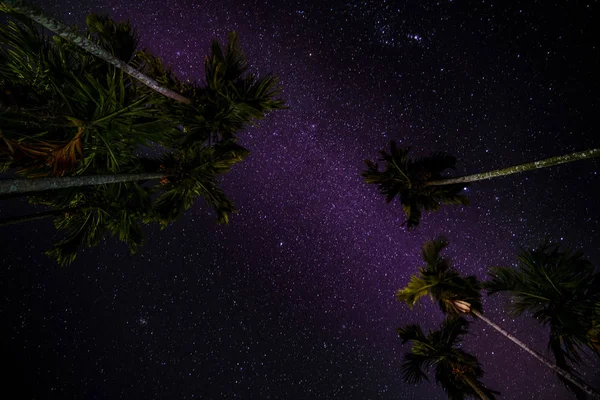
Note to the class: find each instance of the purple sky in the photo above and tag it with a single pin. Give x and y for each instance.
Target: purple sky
(294, 298)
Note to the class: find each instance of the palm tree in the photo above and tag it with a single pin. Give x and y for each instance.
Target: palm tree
(457, 371)
(420, 185)
(225, 73)
(178, 167)
(456, 295)
(69, 34)
(183, 177)
(560, 289)
(63, 111)
(230, 98)
(36, 68)
(89, 213)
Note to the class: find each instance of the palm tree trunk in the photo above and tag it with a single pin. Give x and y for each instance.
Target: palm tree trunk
(584, 386)
(33, 217)
(12, 186)
(475, 387)
(66, 32)
(582, 155)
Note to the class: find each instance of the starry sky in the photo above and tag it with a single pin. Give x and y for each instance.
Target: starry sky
(295, 297)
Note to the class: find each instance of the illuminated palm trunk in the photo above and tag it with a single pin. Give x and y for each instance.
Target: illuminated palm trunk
(582, 155)
(465, 307)
(565, 374)
(18, 186)
(67, 33)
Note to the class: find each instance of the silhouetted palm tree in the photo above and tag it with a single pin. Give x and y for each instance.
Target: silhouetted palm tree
(63, 111)
(456, 294)
(71, 123)
(420, 185)
(65, 108)
(230, 98)
(67, 33)
(458, 372)
(90, 207)
(184, 176)
(560, 290)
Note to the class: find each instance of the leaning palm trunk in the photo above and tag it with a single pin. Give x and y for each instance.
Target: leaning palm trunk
(17, 186)
(33, 217)
(65, 32)
(476, 388)
(582, 155)
(584, 386)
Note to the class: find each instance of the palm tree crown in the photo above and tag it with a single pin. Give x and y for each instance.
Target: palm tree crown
(442, 282)
(419, 184)
(458, 372)
(456, 294)
(71, 119)
(560, 289)
(64, 111)
(406, 179)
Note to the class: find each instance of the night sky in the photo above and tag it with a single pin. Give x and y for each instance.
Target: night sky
(294, 299)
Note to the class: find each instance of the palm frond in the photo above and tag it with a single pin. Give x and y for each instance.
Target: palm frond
(118, 37)
(105, 210)
(412, 369)
(431, 250)
(411, 332)
(417, 287)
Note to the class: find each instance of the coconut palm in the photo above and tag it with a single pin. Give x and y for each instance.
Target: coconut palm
(442, 282)
(64, 111)
(51, 82)
(172, 169)
(88, 45)
(406, 179)
(458, 372)
(420, 185)
(229, 100)
(88, 213)
(456, 295)
(560, 290)
(183, 177)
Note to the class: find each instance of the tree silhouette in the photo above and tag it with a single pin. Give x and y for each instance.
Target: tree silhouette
(458, 372)
(457, 295)
(420, 185)
(560, 290)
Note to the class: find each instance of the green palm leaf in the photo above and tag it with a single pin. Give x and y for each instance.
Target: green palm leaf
(441, 282)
